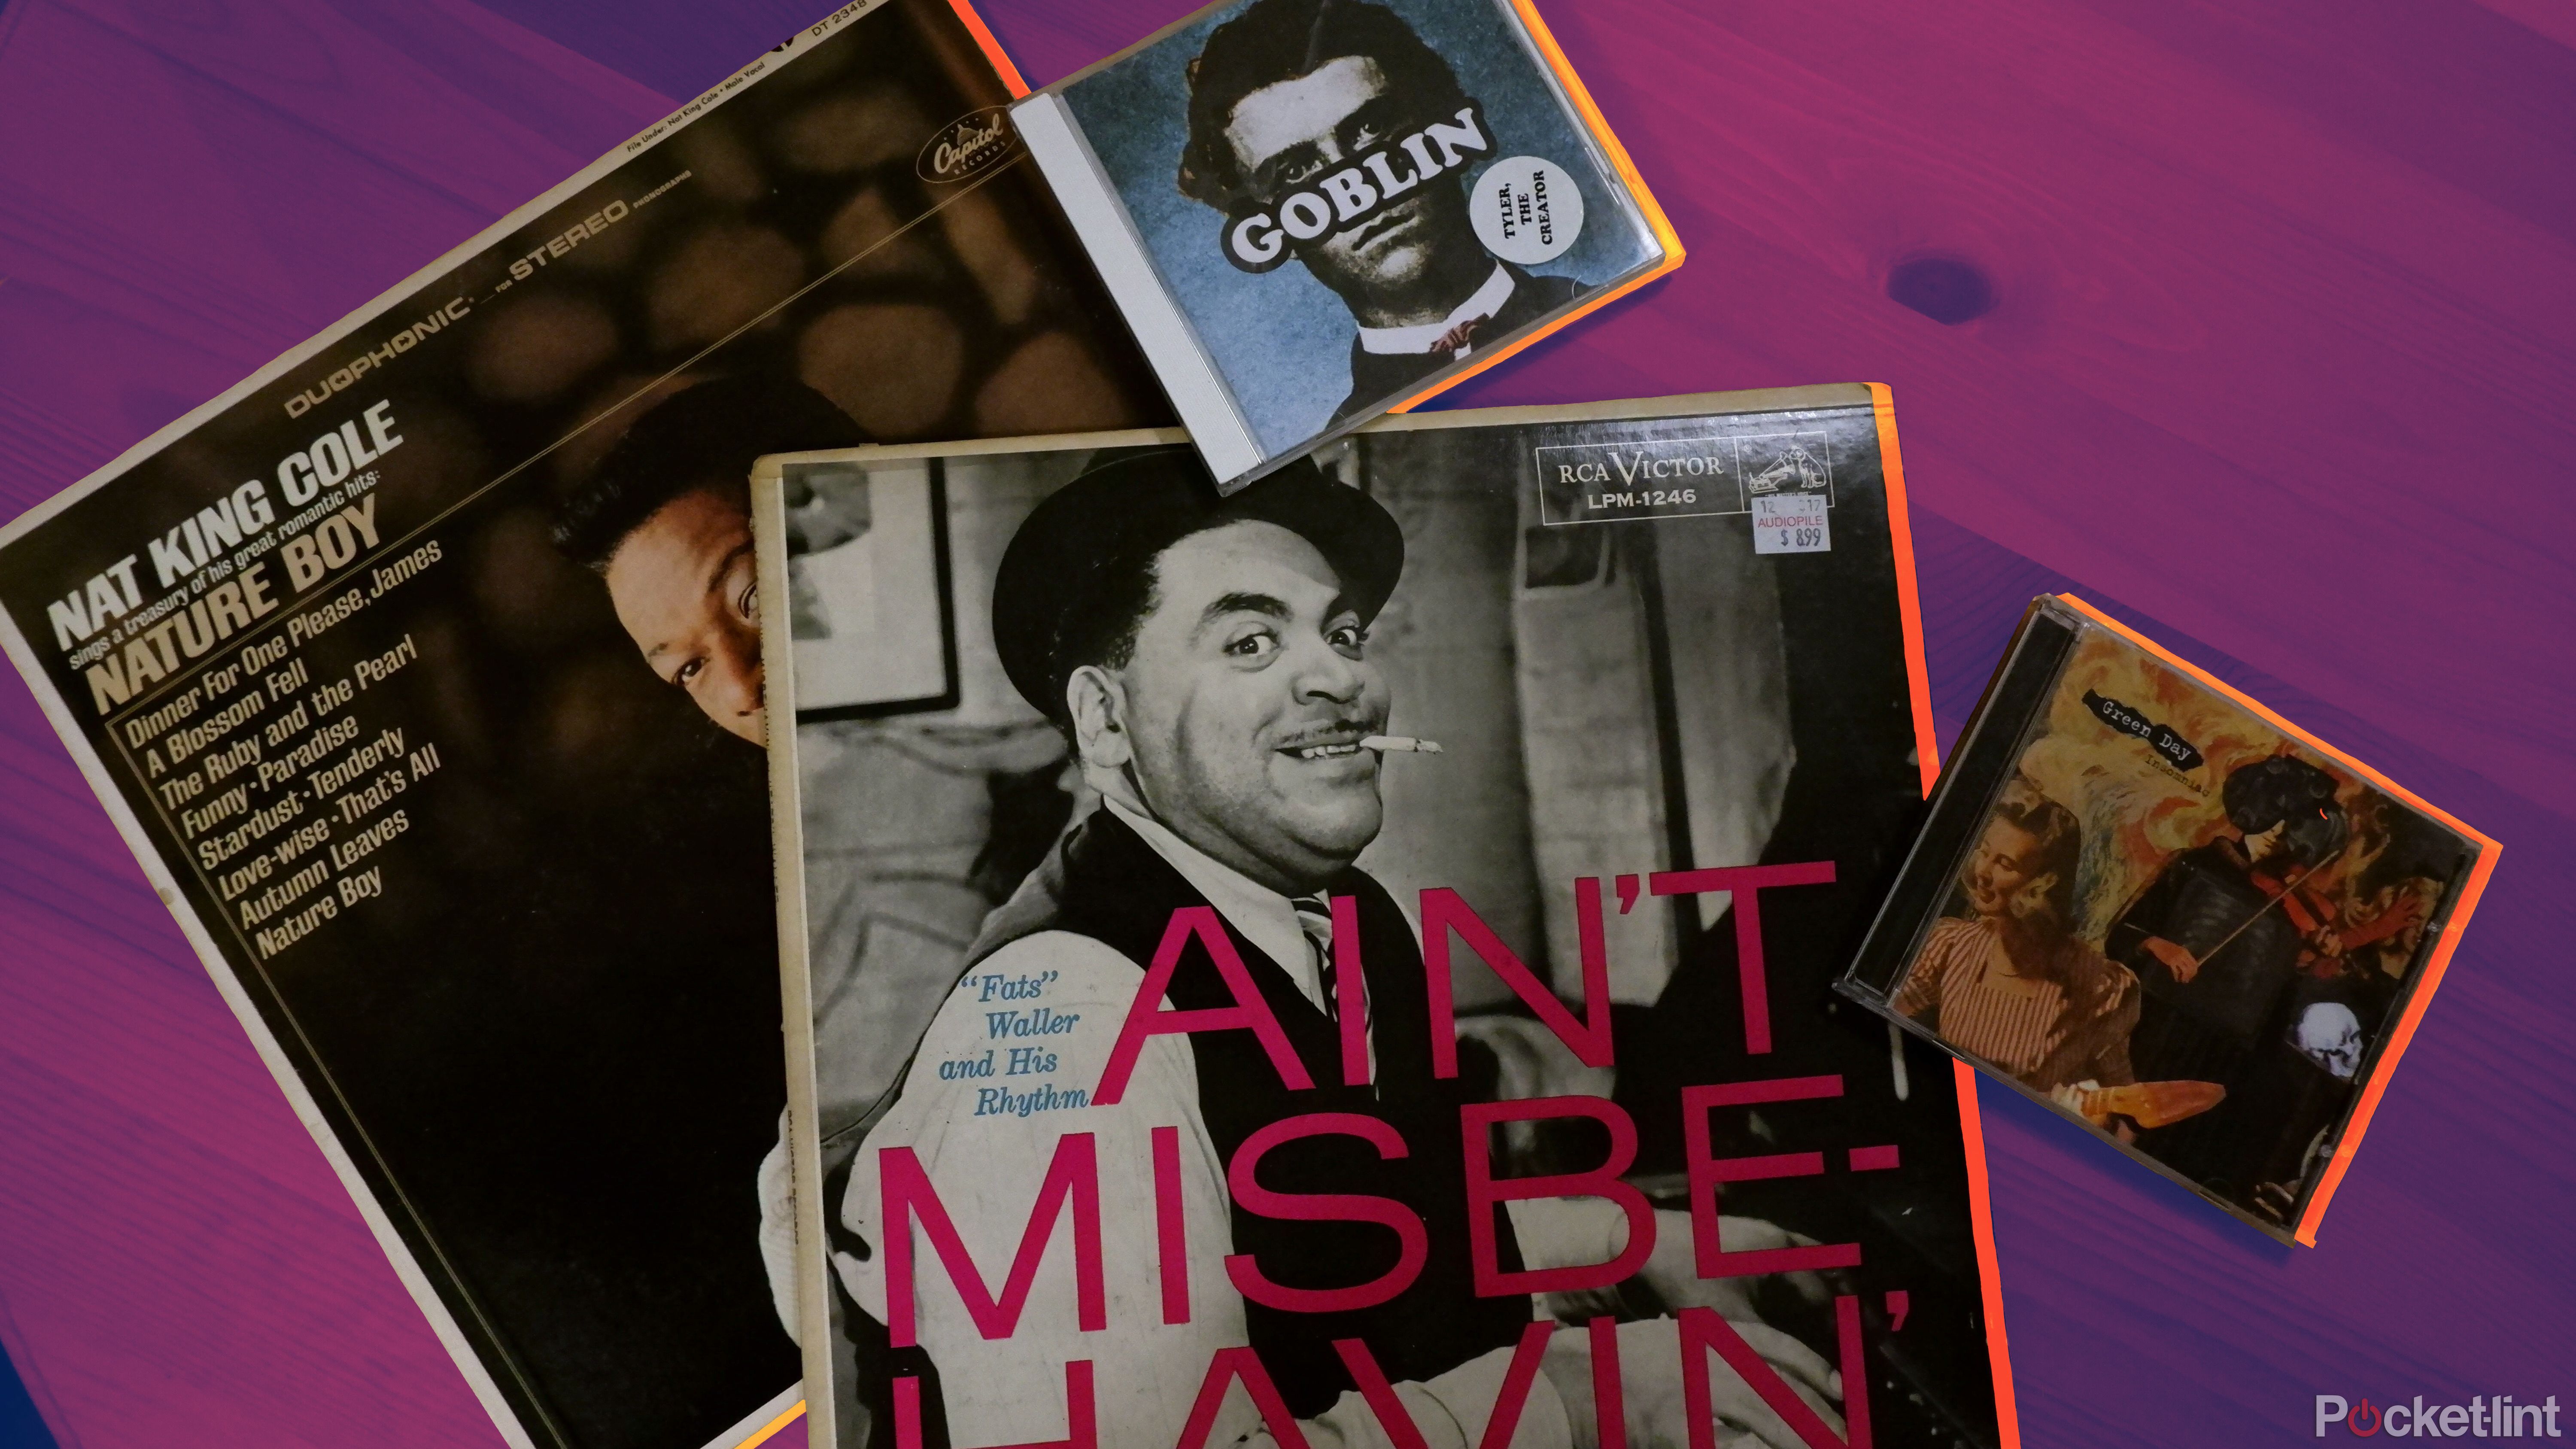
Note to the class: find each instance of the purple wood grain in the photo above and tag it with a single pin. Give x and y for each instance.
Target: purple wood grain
(2283, 323)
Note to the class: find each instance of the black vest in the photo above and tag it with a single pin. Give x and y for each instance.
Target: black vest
(1106, 883)
(2206, 901)
(2228, 1024)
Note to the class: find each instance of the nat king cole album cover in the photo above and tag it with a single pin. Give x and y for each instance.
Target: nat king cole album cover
(2174, 916)
(1316, 211)
(419, 672)
(1350, 962)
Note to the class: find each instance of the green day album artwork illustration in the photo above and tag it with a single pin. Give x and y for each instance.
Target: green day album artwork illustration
(1349, 962)
(1315, 211)
(419, 671)
(2173, 916)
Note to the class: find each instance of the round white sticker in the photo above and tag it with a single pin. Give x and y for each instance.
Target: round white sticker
(1526, 210)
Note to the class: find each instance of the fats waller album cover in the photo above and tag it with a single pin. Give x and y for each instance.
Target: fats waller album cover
(1315, 211)
(2174, 916)
(1350, 961)
(362, 658)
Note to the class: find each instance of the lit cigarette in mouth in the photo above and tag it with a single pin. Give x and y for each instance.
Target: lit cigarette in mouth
(1383, 743)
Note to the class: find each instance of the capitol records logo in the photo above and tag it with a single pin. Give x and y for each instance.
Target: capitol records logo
(975, 142)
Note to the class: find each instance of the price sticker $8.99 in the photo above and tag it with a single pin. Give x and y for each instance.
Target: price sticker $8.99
(1790, 523)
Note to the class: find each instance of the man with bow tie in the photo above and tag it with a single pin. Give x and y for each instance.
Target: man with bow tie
(1208, 659)
(1288, 92)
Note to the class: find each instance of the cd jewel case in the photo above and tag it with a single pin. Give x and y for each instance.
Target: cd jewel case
(2172, 915)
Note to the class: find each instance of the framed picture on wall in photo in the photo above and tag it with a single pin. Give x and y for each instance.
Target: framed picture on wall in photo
(868, 589)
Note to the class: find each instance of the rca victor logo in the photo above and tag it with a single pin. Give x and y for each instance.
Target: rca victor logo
(1645, 478)
(973, 143)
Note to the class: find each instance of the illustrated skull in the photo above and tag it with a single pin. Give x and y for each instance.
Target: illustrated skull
(2330, 1035)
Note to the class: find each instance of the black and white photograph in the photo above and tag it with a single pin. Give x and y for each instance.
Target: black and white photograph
(867, 590)
(1278, 842)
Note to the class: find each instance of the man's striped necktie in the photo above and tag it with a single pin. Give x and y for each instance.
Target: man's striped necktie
(1315, 918)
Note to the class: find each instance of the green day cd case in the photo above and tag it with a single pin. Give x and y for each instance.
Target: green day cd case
(2172, 915)
(1577, 701)
(362, 659)
(1312, 212)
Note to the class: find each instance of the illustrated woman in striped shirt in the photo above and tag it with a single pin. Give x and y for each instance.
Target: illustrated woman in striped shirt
(2010, 982)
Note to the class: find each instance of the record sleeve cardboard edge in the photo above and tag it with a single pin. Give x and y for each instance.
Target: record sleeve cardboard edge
(787, 852)
(1927, 757)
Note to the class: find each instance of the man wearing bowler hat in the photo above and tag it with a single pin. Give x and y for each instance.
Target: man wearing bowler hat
(1209, 660)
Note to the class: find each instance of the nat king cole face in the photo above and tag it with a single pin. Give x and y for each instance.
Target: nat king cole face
(685, 586)
(1240, 710)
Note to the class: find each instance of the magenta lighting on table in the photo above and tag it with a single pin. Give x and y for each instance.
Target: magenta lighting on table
(2197, 311)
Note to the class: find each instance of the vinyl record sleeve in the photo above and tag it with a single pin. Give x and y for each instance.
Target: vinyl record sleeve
(2173, 916)
(491, 900)
(1316, 211)
(1668, 653)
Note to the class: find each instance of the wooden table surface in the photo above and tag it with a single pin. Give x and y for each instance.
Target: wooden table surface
(2275, 358)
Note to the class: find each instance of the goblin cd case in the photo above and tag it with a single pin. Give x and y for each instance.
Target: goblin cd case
(1584, 733)
(1315, 211)
(2150, 902)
